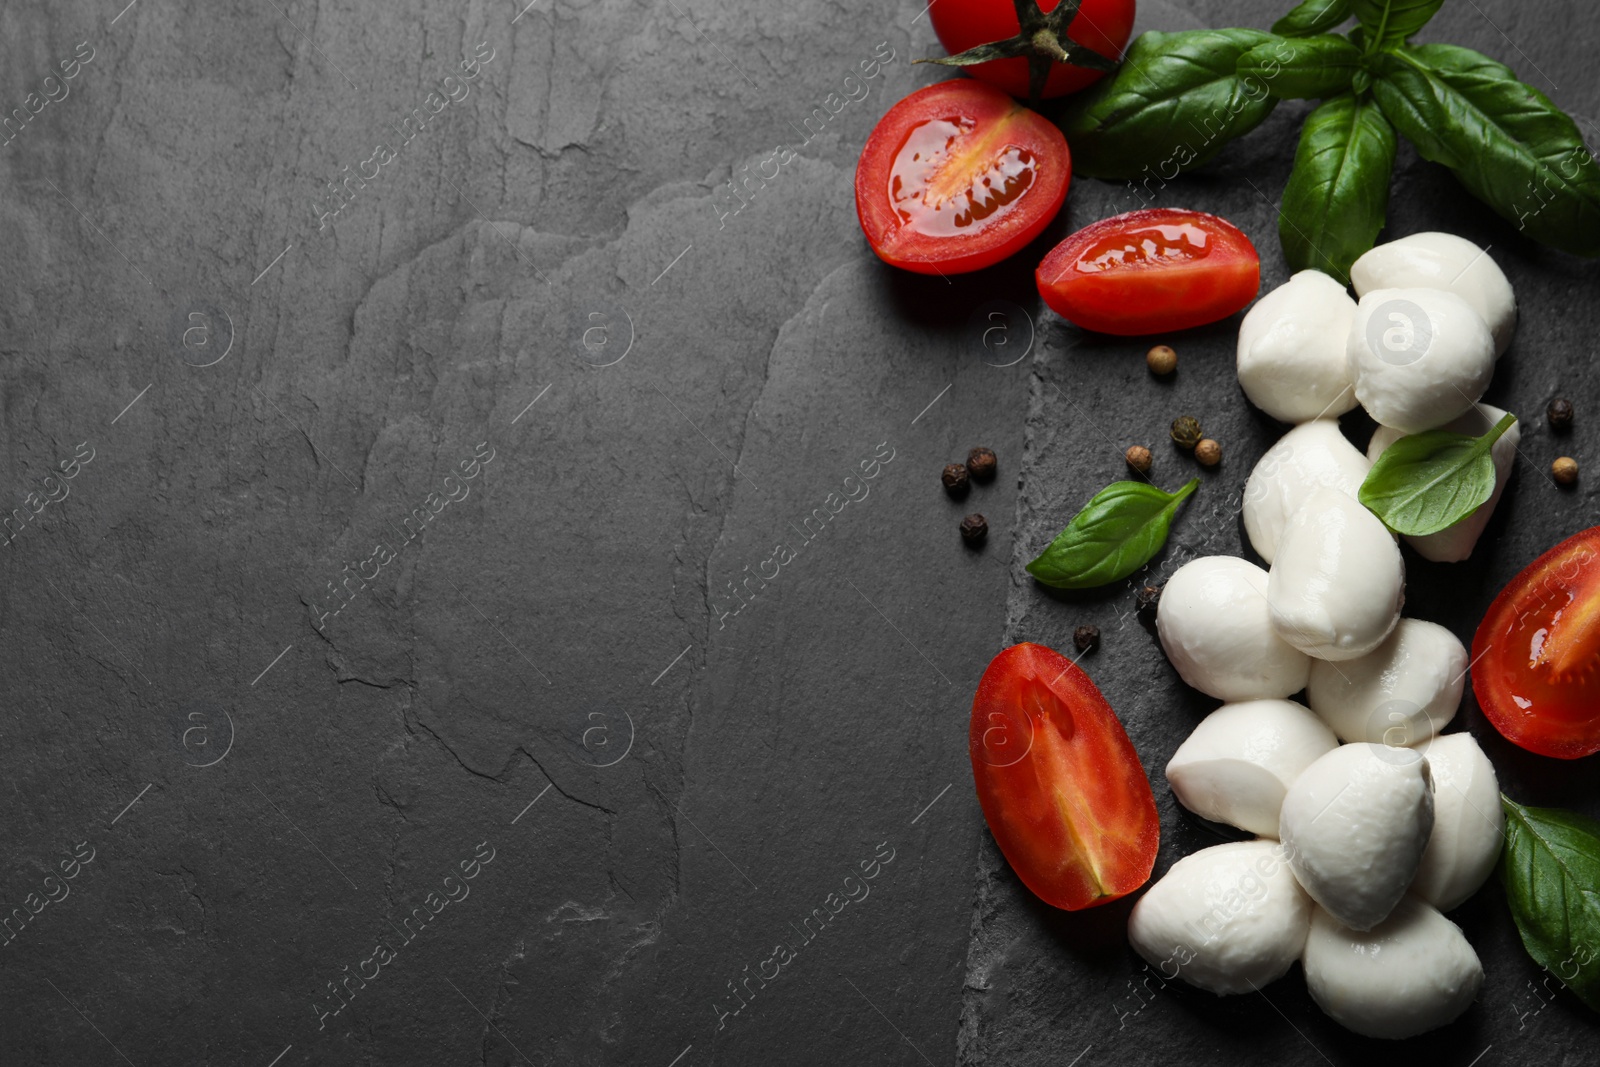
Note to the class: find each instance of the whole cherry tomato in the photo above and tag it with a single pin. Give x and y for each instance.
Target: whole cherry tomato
(1060, 784)
(1100, 26)
(1536, 655)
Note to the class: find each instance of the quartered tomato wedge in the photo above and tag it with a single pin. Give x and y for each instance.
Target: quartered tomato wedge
(958, 176)
(1536, 656)
(1060, 784)
(1151, 272)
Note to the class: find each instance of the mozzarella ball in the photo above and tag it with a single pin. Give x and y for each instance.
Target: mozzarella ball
(1468, 823)
(1443, 261)
(1455, 543)
(1291, 361)
(1238, 763)
(1414, 973)
(1312, 456)
(1419, 357)
(1355, 824)
(1215, 629)
(1223, 918)
(1337, 582)
(1401, 693)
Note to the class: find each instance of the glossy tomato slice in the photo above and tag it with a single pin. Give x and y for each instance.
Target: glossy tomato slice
(1536, 655)
(1060, 784)
(1103, 25)
(958, 176)
(1150, 272)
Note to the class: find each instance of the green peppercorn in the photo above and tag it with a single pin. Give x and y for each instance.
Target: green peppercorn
(1186, 432)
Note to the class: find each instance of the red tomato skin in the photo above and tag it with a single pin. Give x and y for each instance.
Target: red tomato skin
(1134, 301)
(1103, 25)
(1562, 716)
(900, 246)
(1068, 802)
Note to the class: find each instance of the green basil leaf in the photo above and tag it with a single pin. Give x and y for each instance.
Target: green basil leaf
(1338, 192)
(1551, 870)
(1312, 17)
(1175, 101)
(1313, 68)
(1115, 534)
(1427, 482)
(1388, 22)
(1507, 143)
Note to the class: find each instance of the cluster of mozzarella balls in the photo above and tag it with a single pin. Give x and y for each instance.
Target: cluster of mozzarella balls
(1370, 824)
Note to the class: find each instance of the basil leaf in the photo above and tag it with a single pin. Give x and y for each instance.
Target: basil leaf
(1312, 17)
(1389, 22)
(1551, 870)
(1115, 534)
(1338, 193)
(1313, 68)
(1175, 101)
(1427, 482)
(1507, 143)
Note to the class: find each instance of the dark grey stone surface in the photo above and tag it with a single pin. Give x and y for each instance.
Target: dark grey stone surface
(544, 677)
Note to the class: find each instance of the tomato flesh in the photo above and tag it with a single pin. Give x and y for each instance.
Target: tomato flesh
(1536, 655)
(1150, 272)
(957, 176)
(1103, 25)
(1061, 786)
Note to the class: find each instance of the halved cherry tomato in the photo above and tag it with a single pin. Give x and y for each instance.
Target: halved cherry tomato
(958, 176)
(1536, 655)
(1150, 272)
(1102, 25)
(1062, 788)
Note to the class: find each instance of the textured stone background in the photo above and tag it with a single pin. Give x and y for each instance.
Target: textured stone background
(547, 273)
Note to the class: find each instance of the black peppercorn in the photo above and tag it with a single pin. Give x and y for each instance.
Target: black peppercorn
(974, 528)
(1186, 432)
(955, 480)
(1085, 638)
(981, 462)
(1559, 413)
(1148, 597)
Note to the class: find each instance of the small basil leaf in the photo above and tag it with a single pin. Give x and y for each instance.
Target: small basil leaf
(1551, 870)
(1507, 143)
(1389, 22)
(1312, 17)
(1427, 482)
(1173, 104)
(1115, 534)
(1310, 69)
(1338, 192)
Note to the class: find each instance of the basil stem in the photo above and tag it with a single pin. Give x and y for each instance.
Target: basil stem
(1116, 533)
(1427, 482)
(1389, 22)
